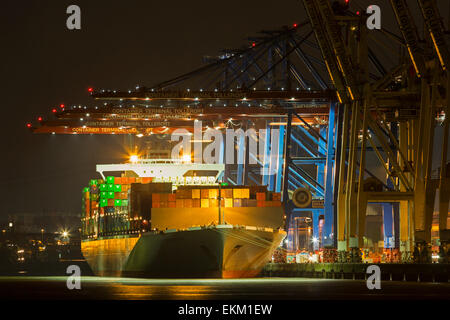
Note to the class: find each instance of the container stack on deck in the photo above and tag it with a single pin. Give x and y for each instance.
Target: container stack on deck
(107, 208)
(207, 197)
(123, 205)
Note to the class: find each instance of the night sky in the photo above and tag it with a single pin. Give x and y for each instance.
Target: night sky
(121, 44)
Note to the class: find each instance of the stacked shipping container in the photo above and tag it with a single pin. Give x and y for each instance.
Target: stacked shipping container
(106, 207)
(122, 205)
(211, 197)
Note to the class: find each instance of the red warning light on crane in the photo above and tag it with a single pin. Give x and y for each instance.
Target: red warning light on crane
(90, 89)
(28, 125)
(253, 44)
(295, 25)
(39, 118)
(62, 106)
(54, 110)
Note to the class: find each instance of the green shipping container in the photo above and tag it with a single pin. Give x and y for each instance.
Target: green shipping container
(110, 180)
(103, 187)
(117, 188)
(86, 189)
(117, 203)
(104, 195)
(103, 202)
(93, 182)
(110, 187)
(110, 195)
(124, 203)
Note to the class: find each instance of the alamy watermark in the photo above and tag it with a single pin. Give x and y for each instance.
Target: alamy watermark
(73, 22)
(74, 278)
(374, 280)
(218, 151)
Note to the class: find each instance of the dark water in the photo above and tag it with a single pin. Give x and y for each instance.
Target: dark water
(26, 287)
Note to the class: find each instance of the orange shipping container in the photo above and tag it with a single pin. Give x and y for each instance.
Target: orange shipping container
(172, 197)
(245, 193)
(164, 196)
(196, 203)
(260, 196)
(227, 193)
(228, 202)
(146, 180)
(205, 193)
(276, 196)
(172, 204)
(131, 180)
(213, 193)
(205, 203)
(260, 204)
(181, 194)
(237, 193)
(195, 194)
(163, 204)
(117, 180)
(138, 180)
(156, 204)
(188, 203)
(156, 197)
(180, 203)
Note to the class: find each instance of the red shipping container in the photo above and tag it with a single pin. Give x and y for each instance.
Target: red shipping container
(110, 202)
(146, 180)
(260, 204)
(172, 197)
(156, 204)
(179, 203)
(261, 196)
(172, 204)
(204, 193)
(196, 203)
(227, 193)
(163, 204)
(156, 197)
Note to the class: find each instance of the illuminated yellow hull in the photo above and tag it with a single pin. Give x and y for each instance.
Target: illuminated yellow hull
(217, 252)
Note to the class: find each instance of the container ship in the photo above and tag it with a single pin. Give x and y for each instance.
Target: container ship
(162, 218)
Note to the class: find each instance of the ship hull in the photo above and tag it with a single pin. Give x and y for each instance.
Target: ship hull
(213, 252)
